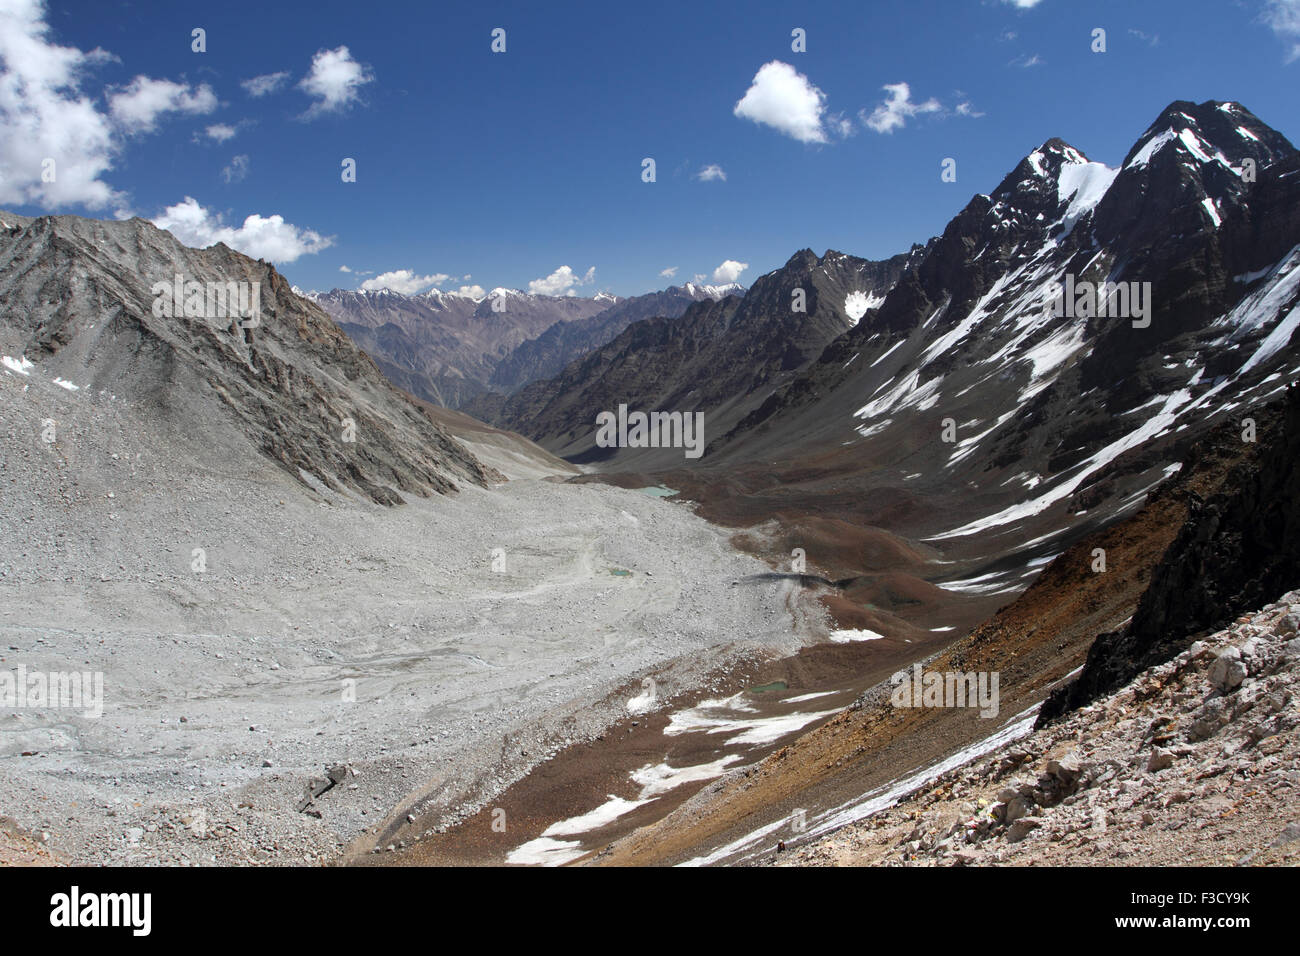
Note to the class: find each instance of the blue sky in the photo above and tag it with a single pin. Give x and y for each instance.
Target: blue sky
(506, 167)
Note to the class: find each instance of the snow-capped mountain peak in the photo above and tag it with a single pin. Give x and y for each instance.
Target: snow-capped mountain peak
(698, 291)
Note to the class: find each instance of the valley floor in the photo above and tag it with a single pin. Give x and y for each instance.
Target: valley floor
(251, 633)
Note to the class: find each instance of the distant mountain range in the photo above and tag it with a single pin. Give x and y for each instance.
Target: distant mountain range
(724, 355)
(447, 347)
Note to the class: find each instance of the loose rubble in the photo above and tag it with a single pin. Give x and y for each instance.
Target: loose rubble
(1194, 762)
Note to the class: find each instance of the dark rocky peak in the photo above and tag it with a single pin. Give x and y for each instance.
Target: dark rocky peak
(1053, 189)
(1191, 171)
(1041, 166)
(1213, 132)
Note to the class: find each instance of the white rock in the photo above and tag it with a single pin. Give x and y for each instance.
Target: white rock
(1227, 672)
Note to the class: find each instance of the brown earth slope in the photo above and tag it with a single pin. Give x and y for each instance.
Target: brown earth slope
(1035, 643)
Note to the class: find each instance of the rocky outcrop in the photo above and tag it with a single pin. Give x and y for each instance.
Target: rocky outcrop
(1233, 549)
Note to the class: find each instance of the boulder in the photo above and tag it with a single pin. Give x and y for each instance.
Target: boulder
(1022, 828)
(1228, 670)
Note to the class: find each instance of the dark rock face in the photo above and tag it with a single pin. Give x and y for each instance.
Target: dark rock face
(77, 295)
(1237, 552)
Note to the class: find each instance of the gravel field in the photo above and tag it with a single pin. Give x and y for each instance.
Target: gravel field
(316, 629)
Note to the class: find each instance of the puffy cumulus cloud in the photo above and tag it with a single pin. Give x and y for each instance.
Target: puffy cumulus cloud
(334, 81)
(237, 171)
(265, 84)
(261, 237)
(562, 281)
(138, 108)
(473, 291)
(710, 173)
(344, 269)
(404, 281)
(669, 272)
(220, 132)
(897, 108)
(729, 271)
(1283, 18)
(44, 115)
(781, 97)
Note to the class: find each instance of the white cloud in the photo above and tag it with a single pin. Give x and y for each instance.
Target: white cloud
(729, 271)
(473, 291)
(711, 172)
(344, 269)
(265, 84)
(964, 108)
(1023, 4)
(897, 109)
(1027, 62)
(237, 171)
(335, 80)
(781, 97)
(841, 125)
(138, 108)
(221, 132)
(45, 115)
(1283, 18)
(269, 237)
(404, 281)
(669, 272)
(561, 282)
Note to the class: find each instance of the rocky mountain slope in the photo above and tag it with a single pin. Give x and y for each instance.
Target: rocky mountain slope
(89, 304)
(1061, 411)
(1192, 762)
(874, 753)
(1234, 547)
(719, 357)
